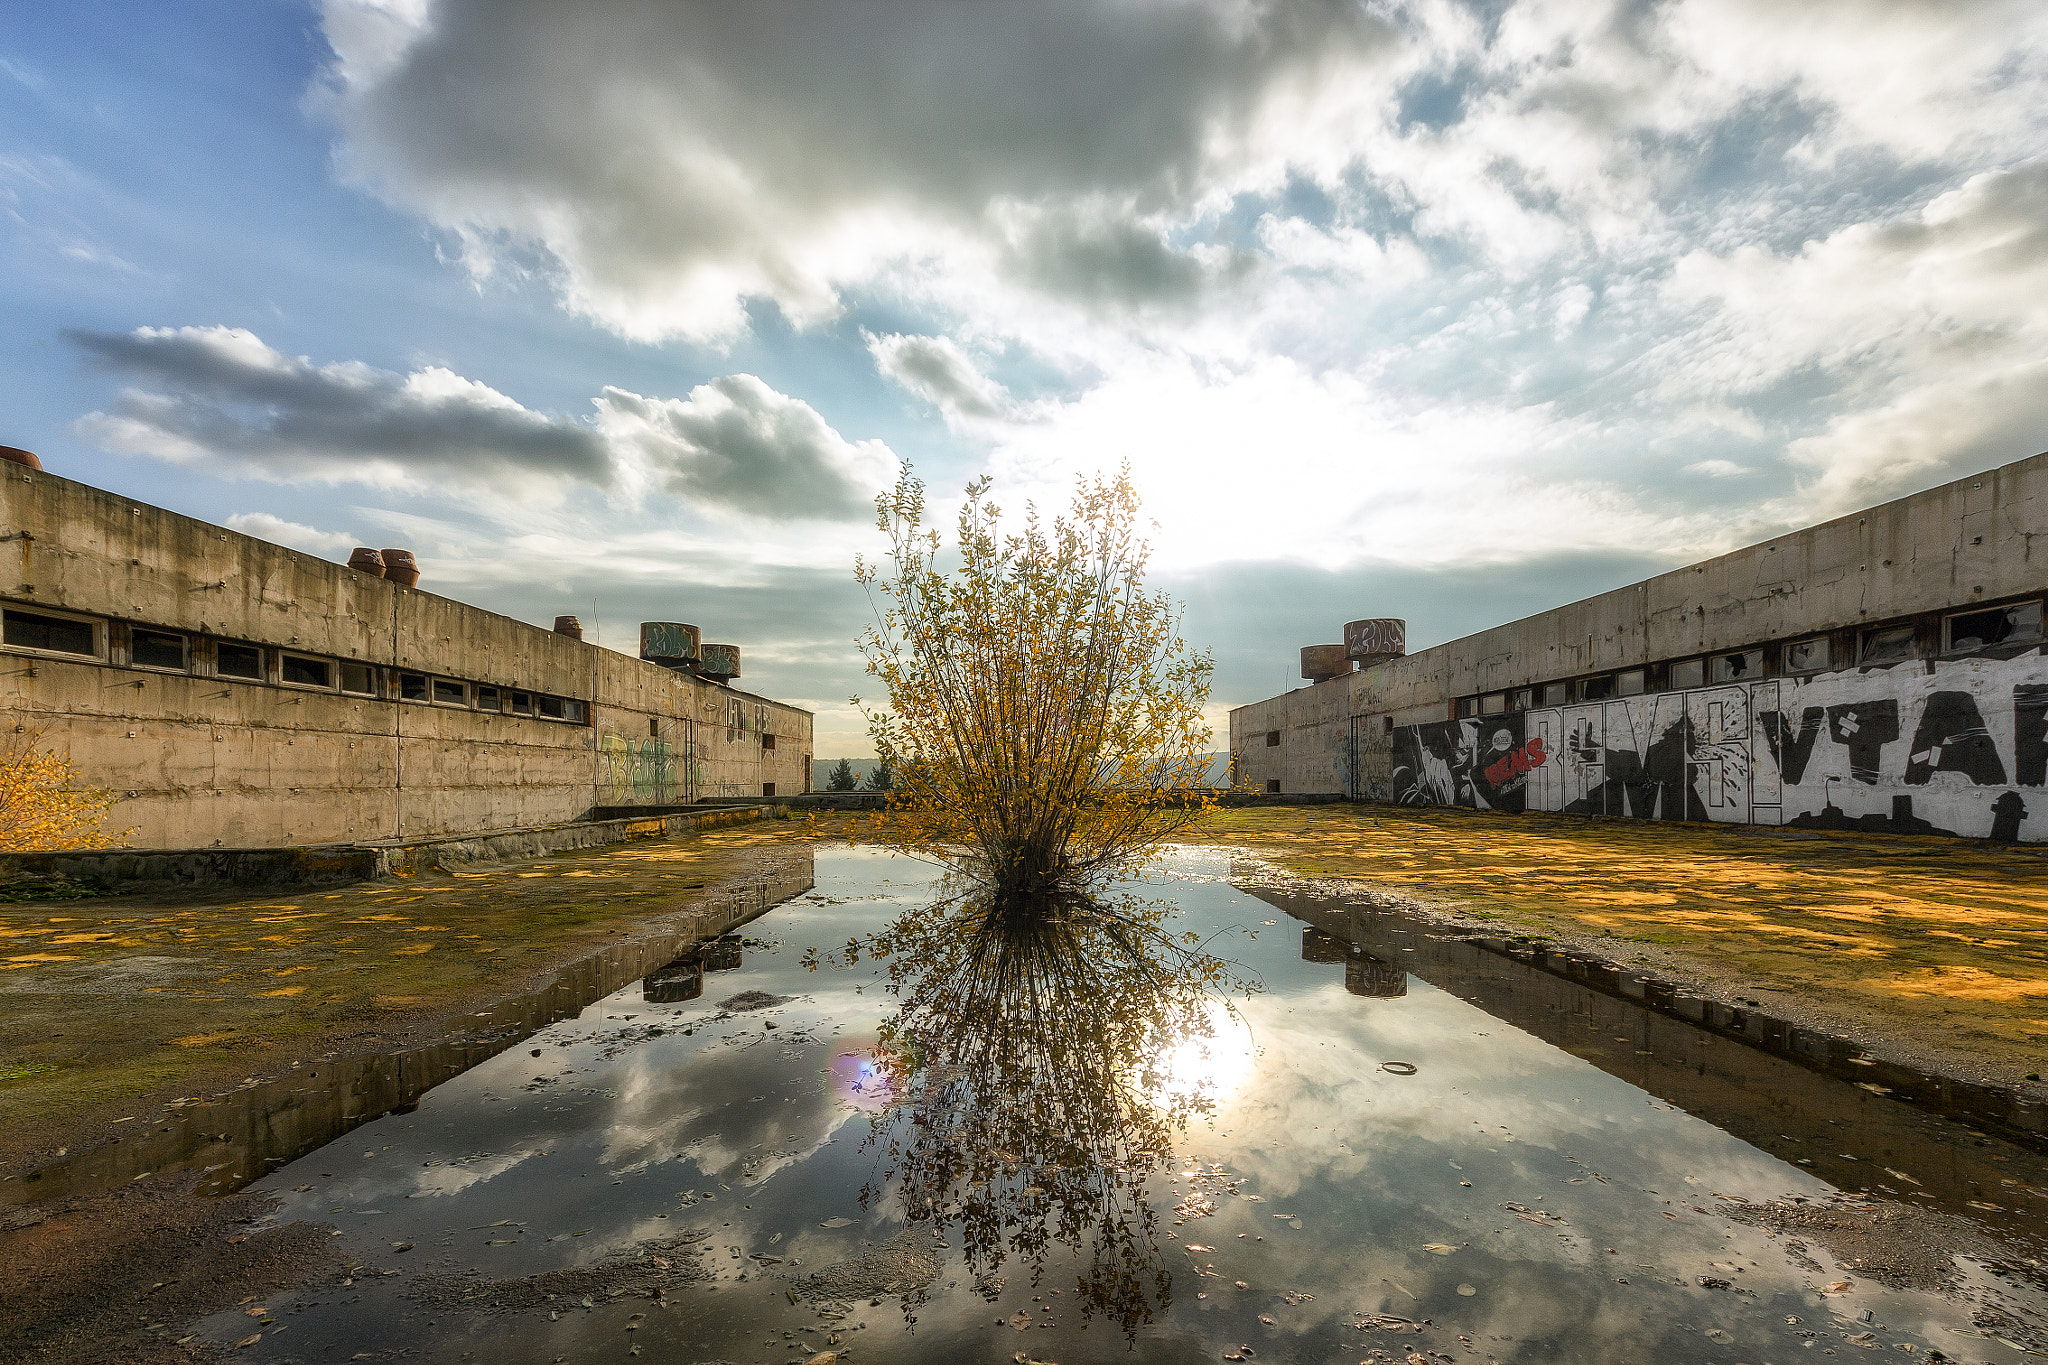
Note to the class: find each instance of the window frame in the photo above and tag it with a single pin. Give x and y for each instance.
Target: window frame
(1621, 682)
(426, 686)
(1827, 653)
(1948, 620)
(496, 704)
(519, 703)
(329, 666)
(96, 624)
(542, 701)
(462, 695)
(185, 643)
(341, 678)
(1272, 739)
(262, 673)
(1869, 635)
(1557, 694)
(1600, 687)
(1717, 660)
(1671, 675)
(1493, 704)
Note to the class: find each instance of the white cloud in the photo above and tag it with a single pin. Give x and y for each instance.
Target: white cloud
(1718, 469)
(936, 370)
(264, 526)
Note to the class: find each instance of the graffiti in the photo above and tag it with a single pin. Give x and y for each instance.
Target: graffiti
(1912, 748)
(635, 772)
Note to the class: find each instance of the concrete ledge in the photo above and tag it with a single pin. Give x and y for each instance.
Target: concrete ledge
(123, 869)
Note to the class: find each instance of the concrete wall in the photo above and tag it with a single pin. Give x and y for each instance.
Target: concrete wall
(207, 760)
(1388, 732)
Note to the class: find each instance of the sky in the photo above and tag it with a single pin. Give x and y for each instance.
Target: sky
(1447, 311)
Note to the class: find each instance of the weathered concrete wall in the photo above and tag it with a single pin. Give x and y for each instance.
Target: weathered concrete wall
(1387, 733)
(204, 759)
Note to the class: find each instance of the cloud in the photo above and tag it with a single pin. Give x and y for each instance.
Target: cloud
(1717, 469)
(223, 398)
(736, 442)
(220, 395)
(936, 370)
(264, 526)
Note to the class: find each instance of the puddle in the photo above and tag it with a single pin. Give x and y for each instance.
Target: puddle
(1413, 1148)
(232, 1138)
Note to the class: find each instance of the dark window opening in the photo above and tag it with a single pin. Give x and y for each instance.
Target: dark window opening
(1272, 786)
(238, 661)
(1596, 689)
(1523, 699)
(157, 649)
(2001, 625)
(305, 672)
(1742, 665)
(450, 691)
(767, 789)
(1272, 739)
(29, 630)
(551, 707)
(1467, 707)
(522, 703)
(357, 678)
(768, 741)
(487, 699)
(412, 686)
(1389, 724)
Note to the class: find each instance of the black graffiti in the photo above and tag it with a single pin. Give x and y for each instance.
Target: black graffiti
(1864, 728)
(2006, 813)
(1952, 738)
(1448, 764)
(2030, 736)
(1790, 749)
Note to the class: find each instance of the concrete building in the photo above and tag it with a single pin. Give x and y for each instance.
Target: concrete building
(1883, 671)
(236, 693)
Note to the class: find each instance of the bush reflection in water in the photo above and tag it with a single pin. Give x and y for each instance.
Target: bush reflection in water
(1032, 1064)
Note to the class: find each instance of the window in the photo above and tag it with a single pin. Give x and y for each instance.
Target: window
(1272, 786)
(768, 742)
(1272, 739)
(1523, 699)
(1467, 707)
(767, 789)
(294, 668)
(1553, 694)
(412, 686)
(522, 703)
(1629, 684)
(1494, 704)
(357, 678)
(1689, 673)
(238, 661)
(452, 692)
(487, 699)
(1596, 689)
(1741, 666)
(1388, 723)
(156, 649)
(58, 634)
(551, 707)
(1999, 626)
(1886, 646)
(1804, 656)
(573, 710)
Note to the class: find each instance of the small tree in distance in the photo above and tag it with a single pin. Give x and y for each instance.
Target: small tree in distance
(1045, 723)
(841, 777)
(880, 779)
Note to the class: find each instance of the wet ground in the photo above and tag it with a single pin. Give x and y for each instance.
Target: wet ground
(1393, 1170)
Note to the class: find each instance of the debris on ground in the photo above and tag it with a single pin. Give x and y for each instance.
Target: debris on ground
(1897, 1245)
(906, 1262)
(648, 1271)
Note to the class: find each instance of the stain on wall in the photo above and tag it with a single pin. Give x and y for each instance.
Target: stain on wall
(1949, 747)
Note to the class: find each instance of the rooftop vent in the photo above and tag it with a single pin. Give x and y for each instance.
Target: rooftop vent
(16, 455)
(569, 626)
(365, 560)
(1320, 663)
(719, 661)
(670, 643)
(401, 568)
(1375, 640)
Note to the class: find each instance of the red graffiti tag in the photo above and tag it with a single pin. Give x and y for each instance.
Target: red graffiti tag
(1529, 756)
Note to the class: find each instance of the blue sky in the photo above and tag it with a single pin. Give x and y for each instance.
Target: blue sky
(1447, 311)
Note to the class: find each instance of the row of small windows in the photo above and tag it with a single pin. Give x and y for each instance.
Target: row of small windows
(1969, 632)
(176, 652)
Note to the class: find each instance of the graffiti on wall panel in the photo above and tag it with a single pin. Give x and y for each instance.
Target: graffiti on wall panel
(1954, 747)
(633, 772)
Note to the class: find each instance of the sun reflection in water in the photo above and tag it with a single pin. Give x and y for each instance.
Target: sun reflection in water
(1212, 1068)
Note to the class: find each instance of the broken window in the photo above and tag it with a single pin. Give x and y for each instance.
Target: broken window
(156, 649)
(768, 742)
(1804, 656)
(1467, 707)
(1596, 689)
(304, 672)
(522, 703)
(450, 691)
(412, 686)
(1689, 673)
(238, 661)
(1742, 665)
(1972, 631)
(487, 699)
(1886, 646)
(1522, 699)
(1272, 739)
